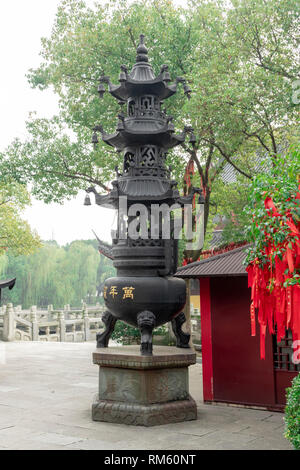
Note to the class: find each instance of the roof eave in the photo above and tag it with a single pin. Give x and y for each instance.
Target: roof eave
(8, 283)
(197, 276)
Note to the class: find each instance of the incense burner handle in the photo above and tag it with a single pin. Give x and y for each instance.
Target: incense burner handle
(103, 338)
(182, 339)
(146, 321)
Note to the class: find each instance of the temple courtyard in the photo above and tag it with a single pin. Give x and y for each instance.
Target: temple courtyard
(46, 392)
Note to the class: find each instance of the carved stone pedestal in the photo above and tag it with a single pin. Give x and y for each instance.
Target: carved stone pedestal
(144, 390)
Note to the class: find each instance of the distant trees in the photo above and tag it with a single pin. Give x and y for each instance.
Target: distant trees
(57, 275)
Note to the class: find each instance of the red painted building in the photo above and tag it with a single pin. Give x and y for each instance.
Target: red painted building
(232, 369)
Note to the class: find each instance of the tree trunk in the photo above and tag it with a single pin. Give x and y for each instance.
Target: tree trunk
(206, 209)
(187, 326)
(194, 255)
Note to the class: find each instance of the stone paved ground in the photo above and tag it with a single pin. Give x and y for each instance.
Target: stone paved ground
(46, 391)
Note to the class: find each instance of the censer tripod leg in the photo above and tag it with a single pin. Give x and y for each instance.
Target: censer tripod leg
(146, 322)
(182, 339)
(103, 338)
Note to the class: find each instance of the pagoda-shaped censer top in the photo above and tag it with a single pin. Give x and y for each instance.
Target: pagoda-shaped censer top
(144, 293)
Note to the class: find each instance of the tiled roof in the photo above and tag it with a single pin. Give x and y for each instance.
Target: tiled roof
(229, 263)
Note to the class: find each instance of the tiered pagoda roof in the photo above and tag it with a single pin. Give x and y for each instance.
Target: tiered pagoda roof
(142, 79)
(145, 123)
(145, 133)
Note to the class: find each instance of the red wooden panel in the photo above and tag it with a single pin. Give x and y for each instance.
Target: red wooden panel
(283, 379)
(207, 365)
(240, 376)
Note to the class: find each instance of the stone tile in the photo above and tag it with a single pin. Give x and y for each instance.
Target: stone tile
(268, 443)
(32, 445)
(192, 428)
(108, 432)
(214, 441)
(51, 438)
(11, 415)
(90, 385)
(275, 418)
(94, 444)
(6, 389)
(11, 436)
(5, 426)
(38, 357)
(263, 428)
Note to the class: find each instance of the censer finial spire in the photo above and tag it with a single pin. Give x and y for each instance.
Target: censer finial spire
(142, 51)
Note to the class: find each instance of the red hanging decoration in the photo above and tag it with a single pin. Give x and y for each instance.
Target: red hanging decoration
(188, 176)
(275, 290)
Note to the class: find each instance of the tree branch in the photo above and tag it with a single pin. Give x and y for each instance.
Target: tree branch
(78, 176)
(230, 161)
(253, 134)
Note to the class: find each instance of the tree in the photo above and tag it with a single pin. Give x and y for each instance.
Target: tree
(237, 57)
(57, 275)
(15, 233)
(241, 108)
(227, 203)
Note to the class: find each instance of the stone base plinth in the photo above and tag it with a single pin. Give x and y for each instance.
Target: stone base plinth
(144, 390)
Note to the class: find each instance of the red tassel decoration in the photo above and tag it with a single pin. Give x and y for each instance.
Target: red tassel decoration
(275, 291)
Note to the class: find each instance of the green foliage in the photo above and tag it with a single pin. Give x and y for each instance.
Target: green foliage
(292, 413)
(57, 275)
(15, 233)
(228, 201)
(281, 184)
(127, 334)
(181, 248)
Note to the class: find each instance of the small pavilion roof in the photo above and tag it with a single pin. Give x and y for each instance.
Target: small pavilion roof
(141, 79)
(130, 136)
(7, 283)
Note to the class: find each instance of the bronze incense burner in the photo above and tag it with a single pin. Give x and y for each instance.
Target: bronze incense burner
(144, 293)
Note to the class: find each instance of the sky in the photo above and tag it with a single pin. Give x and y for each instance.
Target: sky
(22, 24)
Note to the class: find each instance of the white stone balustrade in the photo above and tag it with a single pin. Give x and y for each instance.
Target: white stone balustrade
(69, 325)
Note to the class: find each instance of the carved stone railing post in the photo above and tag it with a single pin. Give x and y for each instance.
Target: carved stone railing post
(9, 324)
(18, 310)
(54, 315)
(35, 326)
(68, 311)
(62, 326)
(85, 314)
